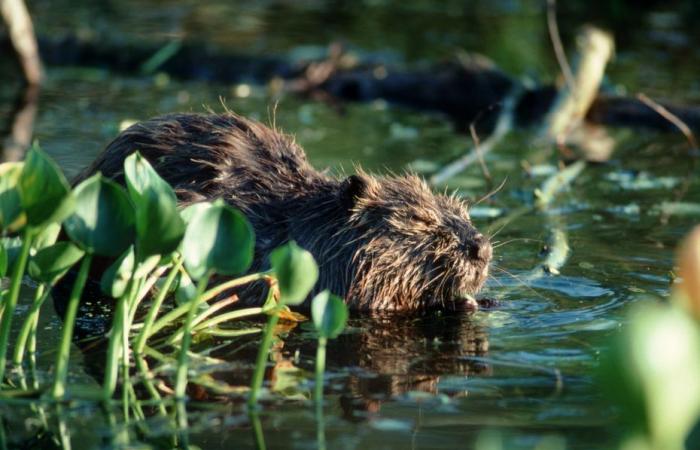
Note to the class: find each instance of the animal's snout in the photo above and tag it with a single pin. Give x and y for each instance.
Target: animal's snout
(480, 248)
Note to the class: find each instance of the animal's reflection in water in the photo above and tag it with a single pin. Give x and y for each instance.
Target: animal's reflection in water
(377, 358)
(397, 355)
(380, 357)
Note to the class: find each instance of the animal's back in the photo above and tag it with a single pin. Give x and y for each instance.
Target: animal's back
(210, 156)
(381, 242)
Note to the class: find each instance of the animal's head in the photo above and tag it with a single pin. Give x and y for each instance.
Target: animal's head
(413, 249)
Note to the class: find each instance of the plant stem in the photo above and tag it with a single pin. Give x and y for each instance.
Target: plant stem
(155, 308)
(125, 325)
(258, 434)
(109, 384)
(146, 376)
(231, 315)
(40, 295)
(11, 299)
(169, 317)
(133, 301)
(261, 360)
(181, 377)
(219, 288)
(320, 368)
(59, 384)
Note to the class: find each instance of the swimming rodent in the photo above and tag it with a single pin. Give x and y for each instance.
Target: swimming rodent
(381, 242)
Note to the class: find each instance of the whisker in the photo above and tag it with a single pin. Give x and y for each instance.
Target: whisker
(489, 237)
(492, 193)
(497, 244)
(496, 280)
(520, 280)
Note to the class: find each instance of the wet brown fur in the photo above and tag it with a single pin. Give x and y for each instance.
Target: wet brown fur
(383, 243)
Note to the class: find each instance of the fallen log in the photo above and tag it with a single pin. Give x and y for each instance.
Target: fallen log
(469, 92)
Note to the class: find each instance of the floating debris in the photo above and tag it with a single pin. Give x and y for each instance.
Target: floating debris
(631, 209)
(486, 212)
(641, 181)
(402, 132)
(676, 209)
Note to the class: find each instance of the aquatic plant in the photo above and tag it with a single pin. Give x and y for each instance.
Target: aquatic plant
(49, 229)
(651, 370)
(33, 195)
(296, 272)
(329, 314)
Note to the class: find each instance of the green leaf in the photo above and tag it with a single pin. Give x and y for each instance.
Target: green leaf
(3, 261)
(43, 189)
(159, 227)
(12, 246)
(145, 267)
(52, 262)
(47, 236)
(329, 314)
(652, 372)
(103, 221)
(192, 210)
(218, 239)
(296, 272)
(116, 278)
(186, 290)
(12, 217)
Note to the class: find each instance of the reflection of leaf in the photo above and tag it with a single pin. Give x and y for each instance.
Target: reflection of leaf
(288, 379)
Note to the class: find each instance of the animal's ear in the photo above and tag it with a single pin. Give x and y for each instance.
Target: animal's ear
(353, 187)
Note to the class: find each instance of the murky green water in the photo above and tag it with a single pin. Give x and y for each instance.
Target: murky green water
(521, 372)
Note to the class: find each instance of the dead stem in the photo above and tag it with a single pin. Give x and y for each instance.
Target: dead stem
(557, 44)
(674, 119)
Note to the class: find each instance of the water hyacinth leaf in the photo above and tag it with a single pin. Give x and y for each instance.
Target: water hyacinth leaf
(193, 210)
(329, 314)
(218, 239)
(52, 262)
(3, 261)
(47, 236)
(296, 272)
(12, 217)
(652, 372)
(116, 278)
(103, 221)
(12, 246)
(44, 192)
(186, 290)
(146, 266)
(159, 227)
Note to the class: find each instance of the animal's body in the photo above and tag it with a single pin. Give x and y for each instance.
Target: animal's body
(383, 243)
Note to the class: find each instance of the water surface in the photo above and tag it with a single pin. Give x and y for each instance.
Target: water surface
(522, 372)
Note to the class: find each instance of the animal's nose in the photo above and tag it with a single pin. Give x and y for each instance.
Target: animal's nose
(480, 248)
